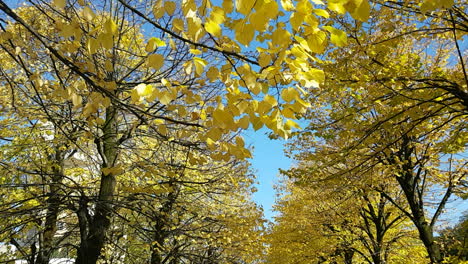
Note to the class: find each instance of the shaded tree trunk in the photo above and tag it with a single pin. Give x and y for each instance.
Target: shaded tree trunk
(46, 239)
(348, 255)
(156, 247)
(409, 182)
(425, 230)
(93, 239)
(160, 233)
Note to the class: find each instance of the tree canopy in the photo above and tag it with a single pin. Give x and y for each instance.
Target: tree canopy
(121, 129)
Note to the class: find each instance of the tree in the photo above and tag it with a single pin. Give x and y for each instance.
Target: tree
(453, 241)
(61, 100)
(390, 103)
(88, 76)
(334, 220)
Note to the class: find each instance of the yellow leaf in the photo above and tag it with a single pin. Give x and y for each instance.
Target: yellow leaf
(68, 30)
(244, 6)
(296, 20)
(303, 43)
(76, 100)
(322, 13)
(281, 37)
(165, 97)
(211, 144)
(256, 123)
(336, 7)
(213, 28)
(317, 42)
(431, 5)
(259, 21)
(109, 66)
(88, 14)
(269, 10)
(110, 27)
(143, 89)
(195, 51)
(60, 3)
(92, 45)
(106, 40)
(315, 76)
(362, 12)
(304, 6)
(217, 15)
(199, 65)
(212, 74)
(338, 37)
(240, 141)
(214, 134)
(111, 86)
(287, 5)
(270, 100)
(289, 94)
(287, 112)
(244, 33)
(162, 129)
(264, 59)
(153, 43)
(170, 7)
(166, 83)
(243, 106)
(158, 10)
(244, 122)
(290, 124)
(177, 24)
(227, 6)
(155, 61)
(5, 36)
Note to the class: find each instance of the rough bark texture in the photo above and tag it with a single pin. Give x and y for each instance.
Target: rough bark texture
(94, 235)
(418, 217)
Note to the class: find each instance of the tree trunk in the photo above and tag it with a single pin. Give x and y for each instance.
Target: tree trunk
(156, 248)
(348, 256)
(427, 237)
(46, 247)
(161, 220)
(409, 182)
(417, 212)
(90, 249)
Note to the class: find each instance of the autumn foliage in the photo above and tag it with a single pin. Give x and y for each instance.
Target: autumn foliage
(121, 128)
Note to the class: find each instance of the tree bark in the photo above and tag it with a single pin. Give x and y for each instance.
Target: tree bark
(408, 182)
(427, 237)
(94, 241)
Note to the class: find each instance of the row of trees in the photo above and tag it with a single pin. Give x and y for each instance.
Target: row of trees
(385, 150)
(120, 123)
(121, 128)
(108, 149)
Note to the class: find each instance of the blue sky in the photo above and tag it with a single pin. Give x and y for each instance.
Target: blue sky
(268, 157)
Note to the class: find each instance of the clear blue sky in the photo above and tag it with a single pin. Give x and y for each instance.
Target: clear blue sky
(268, 157)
